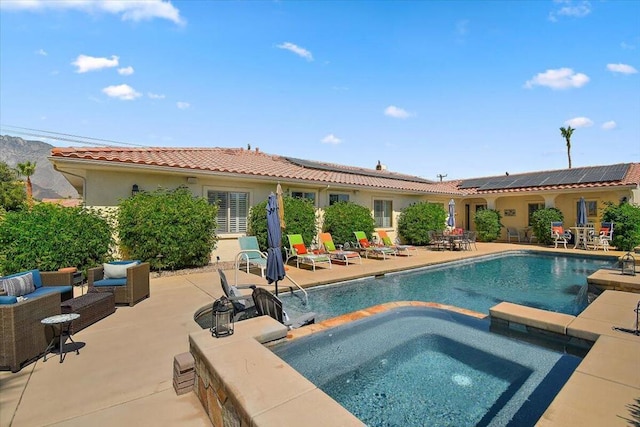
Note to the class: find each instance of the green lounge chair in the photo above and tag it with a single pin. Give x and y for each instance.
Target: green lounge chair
(400, 249)
(369, 248)
(299, 251)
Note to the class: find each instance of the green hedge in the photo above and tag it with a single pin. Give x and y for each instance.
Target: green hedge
(488, 225)
(541, 223)
(171, 223)
(343, 218)
(50, 236)
(417, 219)
(626, 224)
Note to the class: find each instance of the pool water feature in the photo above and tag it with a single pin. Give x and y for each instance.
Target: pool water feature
(550, 282)
(424, 366)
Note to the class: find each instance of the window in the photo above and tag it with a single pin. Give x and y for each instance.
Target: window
(304, 195)
(232, 210)
(335, 198)
(382, 213)
(478, 208)
(592, 208)
(532, 208)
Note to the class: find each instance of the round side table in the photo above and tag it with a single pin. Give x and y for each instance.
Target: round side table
(60, 324)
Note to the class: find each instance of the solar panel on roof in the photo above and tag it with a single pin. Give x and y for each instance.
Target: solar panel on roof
(355, 171)
(560, 177)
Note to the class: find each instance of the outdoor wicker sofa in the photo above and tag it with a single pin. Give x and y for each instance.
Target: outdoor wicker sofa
(22, 337)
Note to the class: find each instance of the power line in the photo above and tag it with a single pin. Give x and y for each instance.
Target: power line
(64, 136)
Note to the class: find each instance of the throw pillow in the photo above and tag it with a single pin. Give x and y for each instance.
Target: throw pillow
(116, 271)
(364, 243)
(300, 248)
(19, 285)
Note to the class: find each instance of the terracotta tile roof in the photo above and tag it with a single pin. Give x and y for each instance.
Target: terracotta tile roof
(251, 164)
(256, 164)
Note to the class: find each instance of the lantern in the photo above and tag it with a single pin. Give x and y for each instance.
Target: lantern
(222, 318)
(628, 264)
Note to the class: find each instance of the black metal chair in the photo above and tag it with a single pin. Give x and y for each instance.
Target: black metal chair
(268, 304)
(243, 305)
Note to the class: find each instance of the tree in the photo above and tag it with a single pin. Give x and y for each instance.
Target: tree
(12, 195)
(566, 134)
(27, 169)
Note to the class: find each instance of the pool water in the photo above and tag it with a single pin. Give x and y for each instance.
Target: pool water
(424, 366)
(550, 282)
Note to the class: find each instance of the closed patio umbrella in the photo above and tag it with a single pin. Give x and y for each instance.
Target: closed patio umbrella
(280, 206)
(582, 213)
(275, 265)
(451, 221)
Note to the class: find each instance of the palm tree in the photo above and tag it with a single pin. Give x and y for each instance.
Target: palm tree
(566, 134)
(27, 169)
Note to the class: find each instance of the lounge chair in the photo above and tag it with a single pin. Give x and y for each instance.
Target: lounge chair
(298, 250)
(369, 248)
(243, 305)
(250, 254)
(338, 254)
(268, 304)
(400, 249)
(559, 234)
(513, 233)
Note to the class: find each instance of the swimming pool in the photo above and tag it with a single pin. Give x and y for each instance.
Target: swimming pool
(551, 282)
(423, 366)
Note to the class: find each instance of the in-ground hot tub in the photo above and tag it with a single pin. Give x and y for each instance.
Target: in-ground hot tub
(425, 366)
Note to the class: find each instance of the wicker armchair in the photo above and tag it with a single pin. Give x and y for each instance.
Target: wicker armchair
(23, 338)
(135, 290)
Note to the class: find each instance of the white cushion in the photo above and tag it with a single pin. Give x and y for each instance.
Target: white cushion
(116, 271)
(19, 285)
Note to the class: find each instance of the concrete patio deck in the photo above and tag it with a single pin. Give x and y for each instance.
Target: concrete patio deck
(123, 375)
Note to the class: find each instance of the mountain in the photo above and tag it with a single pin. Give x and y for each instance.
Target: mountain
(47, 182)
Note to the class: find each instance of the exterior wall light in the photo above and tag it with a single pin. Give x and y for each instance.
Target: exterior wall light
(135, 189)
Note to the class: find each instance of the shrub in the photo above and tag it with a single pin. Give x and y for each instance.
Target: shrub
(541, 223)
(343, 218)
(417, 219)
(12, 193)
(626, 227)
(299, 218)
(171, 223)
(51, 236)
(488, 225)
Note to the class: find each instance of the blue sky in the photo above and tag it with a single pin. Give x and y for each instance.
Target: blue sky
(458, 88)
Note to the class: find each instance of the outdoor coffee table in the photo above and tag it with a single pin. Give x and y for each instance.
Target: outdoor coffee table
(60, 324)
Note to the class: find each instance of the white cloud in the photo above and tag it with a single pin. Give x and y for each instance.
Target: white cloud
(155, 95)
(609, 125)
(331, 139)
(302, 52)
(125, 71)
(182, 105)
(579, 122)
(124, 92)
(41, 52)
(396, 112)
(621, 68)
(562, 78)
(569, 8)
(128, 10)
(90, 63)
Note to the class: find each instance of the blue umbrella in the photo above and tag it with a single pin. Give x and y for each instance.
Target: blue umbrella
(275, 265)
(582, 213)
(451, 221)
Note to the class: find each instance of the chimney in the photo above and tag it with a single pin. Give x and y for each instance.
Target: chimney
(379, 166)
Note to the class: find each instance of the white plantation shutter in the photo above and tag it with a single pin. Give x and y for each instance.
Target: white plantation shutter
(232, 210)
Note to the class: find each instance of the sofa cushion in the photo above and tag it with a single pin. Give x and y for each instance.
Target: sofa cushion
(116, 270)
(19, 285)
(45, 290)
(110, 282)
(5, 300)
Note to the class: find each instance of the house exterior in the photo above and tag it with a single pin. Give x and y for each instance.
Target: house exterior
(238, 178)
